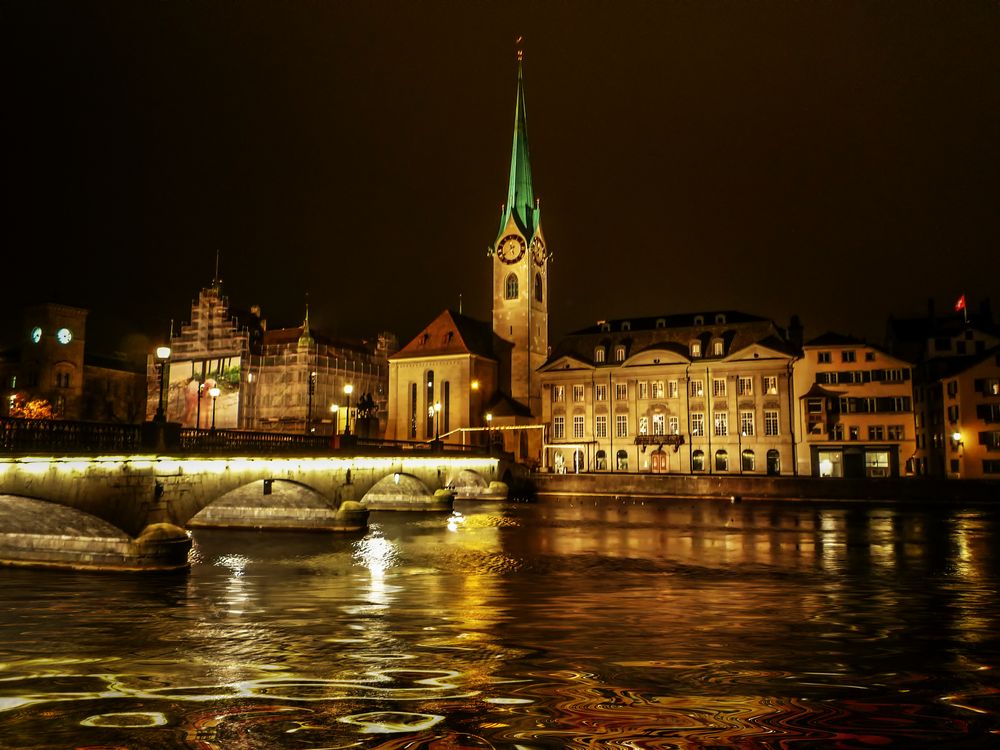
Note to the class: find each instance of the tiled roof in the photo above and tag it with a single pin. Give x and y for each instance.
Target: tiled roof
(450, 333)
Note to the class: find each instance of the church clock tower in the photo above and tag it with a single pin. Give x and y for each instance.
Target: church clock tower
(521, 270)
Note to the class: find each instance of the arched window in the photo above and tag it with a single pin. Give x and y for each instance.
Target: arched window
(773, 462)
(578, 461)
(717, 348)
(749, 463)
(599, 355)
(510, 287)
(429, 404)
(601, 460)
(622, 460)
(619, 354)
(538, 287)
(695, 349)
(721, 461)
(698, 461)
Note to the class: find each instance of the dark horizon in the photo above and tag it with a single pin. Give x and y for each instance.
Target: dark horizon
(836, 162)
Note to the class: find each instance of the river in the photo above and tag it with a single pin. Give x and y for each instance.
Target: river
(578, 623)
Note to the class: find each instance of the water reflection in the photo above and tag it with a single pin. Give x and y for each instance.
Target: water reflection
(596, 623)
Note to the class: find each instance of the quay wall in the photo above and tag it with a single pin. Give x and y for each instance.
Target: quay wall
(923, 489)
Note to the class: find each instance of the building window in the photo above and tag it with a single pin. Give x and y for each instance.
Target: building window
(674, 425)
(621, 425)
(697, 424)
(876, 432)
(643, 425)
(746, 423)
(601, 426)
(716, 348)
(771, 422)
(848, 355)
(558, 393)
(749, 462)
(823, 358)
(599, 355)
(721, 424)
(621, 391)
(695, 348)
(770, 385)
(538, 287)
(721, 460)
(697, 388)
(869, 356)
(838, 432)
(744, 386)
(895, 432)
(643, 389)
(718, 386)
(953, 413)
(657, 388)
(622, 459)
(991, 466)
(671, 389)
(952, 388)
(619, 354)
(429, 403)
(658, 424)
(412, 431)
(510, 286)
(578, 393)
(601, 392)
(601, 461)
(578, 426)
(558, 427)
(698, 461)
(877, 463)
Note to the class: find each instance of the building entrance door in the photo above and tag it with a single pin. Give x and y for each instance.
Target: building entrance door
(659, 462)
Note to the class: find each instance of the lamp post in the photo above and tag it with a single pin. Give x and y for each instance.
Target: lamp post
(437, 420)
(489, 431)
(214, 393)
(162, 355)
(335, 411)
(348, 390)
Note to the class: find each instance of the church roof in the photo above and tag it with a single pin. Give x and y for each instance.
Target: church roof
(520, 192)
(450, 333)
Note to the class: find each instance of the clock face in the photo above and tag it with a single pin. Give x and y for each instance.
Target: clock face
(36, 334)
(538, 251)
(511, 248)
(64, 335)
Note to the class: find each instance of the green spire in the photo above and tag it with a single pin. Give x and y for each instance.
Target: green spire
(520, 195)
(306, 339)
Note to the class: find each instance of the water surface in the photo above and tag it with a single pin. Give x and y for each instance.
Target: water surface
(586, 623)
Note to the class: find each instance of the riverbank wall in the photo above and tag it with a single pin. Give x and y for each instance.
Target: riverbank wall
(921, 490)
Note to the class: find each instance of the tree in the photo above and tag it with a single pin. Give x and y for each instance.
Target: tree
(35, 408)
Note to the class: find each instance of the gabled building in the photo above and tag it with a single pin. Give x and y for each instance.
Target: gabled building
(855, 412)
(702, 393)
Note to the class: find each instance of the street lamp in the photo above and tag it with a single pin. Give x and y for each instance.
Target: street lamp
(437, 419)
(309, 408)
(335, 411)
(348, 390)
(489, 430)
(214, 393)
(162, 355)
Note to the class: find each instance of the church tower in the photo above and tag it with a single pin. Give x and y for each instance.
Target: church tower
(521, 269)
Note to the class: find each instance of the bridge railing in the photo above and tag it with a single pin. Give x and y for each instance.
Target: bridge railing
(60, 436)
(64, 436)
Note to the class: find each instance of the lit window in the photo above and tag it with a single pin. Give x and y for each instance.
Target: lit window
(578, 393)
(721, 461)
(578, 426)
(697, 424)
(698, 461)
(749, 462)
(619, 354)
(621, 425)
(673, 425)
(601, 426)
(695, 348)
(601, 392)
(672, 389)
(658, 424)
(746, 423)
(721, 424)
(657, 388)
(744, 386)
(621, 391)
(558, 393)
(622, 458)
(718, 386)
(559, 427)
(599, 355)
(716, 348)
(770, 385)
(643, 425)
(697, 388)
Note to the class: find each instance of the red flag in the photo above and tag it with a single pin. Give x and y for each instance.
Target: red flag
(960, 305)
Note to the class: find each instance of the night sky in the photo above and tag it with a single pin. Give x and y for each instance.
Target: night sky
(839, 160)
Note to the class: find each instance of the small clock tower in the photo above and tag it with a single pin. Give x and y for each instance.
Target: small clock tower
(521, 269)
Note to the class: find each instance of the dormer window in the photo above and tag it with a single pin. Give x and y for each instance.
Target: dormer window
(717, 348)
(605, 327)
(720, 319)
(599, 355)
(619, 354)
(699, 320)
(626, 325)
(661, 323)
(695, 348)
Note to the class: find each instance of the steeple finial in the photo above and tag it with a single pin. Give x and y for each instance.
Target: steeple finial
(520, 194)
(519, 48)
(306, 339)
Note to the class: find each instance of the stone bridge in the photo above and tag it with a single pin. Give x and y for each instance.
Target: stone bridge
(131, 510)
